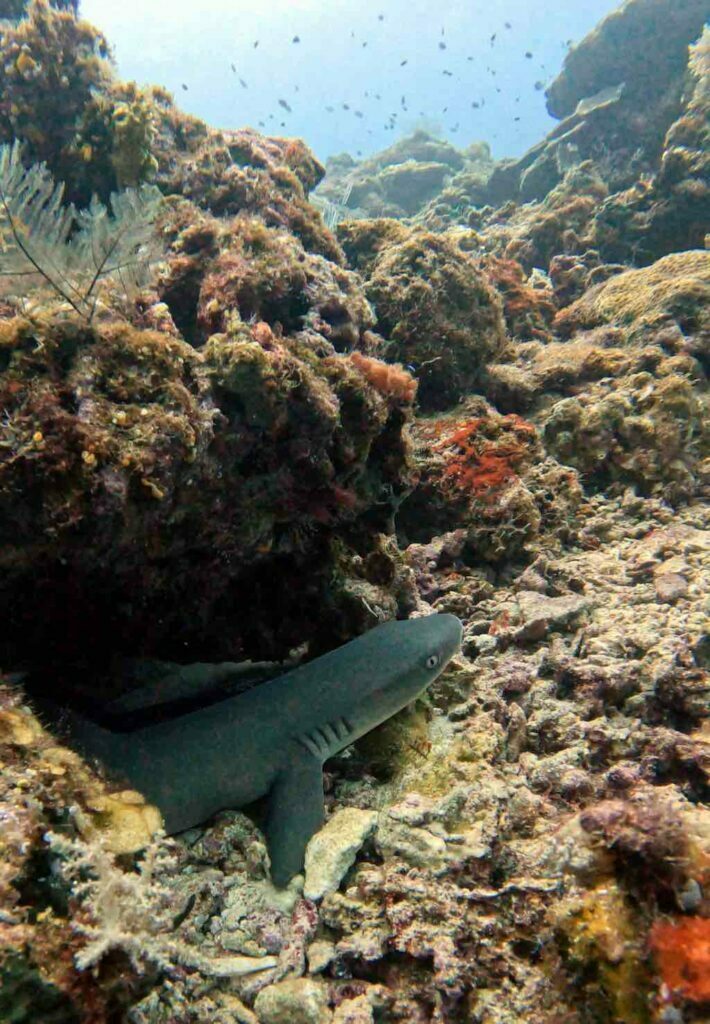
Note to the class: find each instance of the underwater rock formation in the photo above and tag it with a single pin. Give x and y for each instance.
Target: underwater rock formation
(672, 294)
(434, 306)
(555, 800)
(418, 175)
(486, 476)
(614, 105)
(623, 399)
(120, 446)
(496, 411)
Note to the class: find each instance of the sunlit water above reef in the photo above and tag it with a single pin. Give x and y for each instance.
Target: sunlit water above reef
(352, 76)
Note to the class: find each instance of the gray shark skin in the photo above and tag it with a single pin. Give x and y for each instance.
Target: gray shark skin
(273, 739)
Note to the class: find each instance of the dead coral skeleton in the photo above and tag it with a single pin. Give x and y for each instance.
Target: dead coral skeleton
(134, 911)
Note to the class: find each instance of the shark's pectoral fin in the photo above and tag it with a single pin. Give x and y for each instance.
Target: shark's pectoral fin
(295, 812)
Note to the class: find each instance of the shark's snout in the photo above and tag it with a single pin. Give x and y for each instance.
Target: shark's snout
(453, 634)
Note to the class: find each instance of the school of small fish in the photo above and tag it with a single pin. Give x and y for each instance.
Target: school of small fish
(390, 119)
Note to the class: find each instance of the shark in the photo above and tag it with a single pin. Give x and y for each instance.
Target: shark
(272, 740)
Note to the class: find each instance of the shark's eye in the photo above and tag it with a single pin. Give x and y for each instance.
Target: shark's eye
(432, 661)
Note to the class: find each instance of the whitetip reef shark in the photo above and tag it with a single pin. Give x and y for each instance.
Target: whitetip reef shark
(272, 740)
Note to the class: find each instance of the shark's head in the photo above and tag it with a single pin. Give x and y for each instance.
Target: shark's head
(393, 664)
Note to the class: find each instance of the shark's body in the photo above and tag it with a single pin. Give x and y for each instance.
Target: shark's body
(274, 738)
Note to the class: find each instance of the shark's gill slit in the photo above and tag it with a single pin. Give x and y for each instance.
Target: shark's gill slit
(309, 745)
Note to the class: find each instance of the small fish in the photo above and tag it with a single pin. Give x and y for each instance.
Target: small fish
(330, 109)
(404, 100)
(403, 62)
(296, 39)
(284, 104)
(476, 106)
(233, 68)
(377, 96)
(516, 118)
(359, 113)
(442, 46)
(346, 106)
(184, 87)
(243, 83)
(364, 45)
(256, 44)
(380, 17)
(469, 58)
(539, 86)
(528, 55)
(508, 25)
(493, 38)
(449, 73)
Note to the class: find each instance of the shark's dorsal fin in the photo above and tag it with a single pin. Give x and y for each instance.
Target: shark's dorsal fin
(164, 689)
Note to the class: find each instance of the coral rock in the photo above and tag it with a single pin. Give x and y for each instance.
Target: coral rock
(294, 1001)
(331, 852)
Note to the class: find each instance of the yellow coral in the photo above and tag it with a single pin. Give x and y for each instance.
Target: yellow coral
(124, 820)
(602, 936)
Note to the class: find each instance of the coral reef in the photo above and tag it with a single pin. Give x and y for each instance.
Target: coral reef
(38, 937)
(529, 304)
(674, 292)
(484, 394)
(623, 399)
(485, 476)
(120, 445)
(434, 306)
(54, 68)
(614, 107)
(521, 865)
(419, 175)
(241, 172)
(534, 233)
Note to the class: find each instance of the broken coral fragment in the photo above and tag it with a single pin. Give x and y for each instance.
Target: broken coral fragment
(332, 850)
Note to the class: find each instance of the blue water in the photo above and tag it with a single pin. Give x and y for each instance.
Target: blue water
(190, 48)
